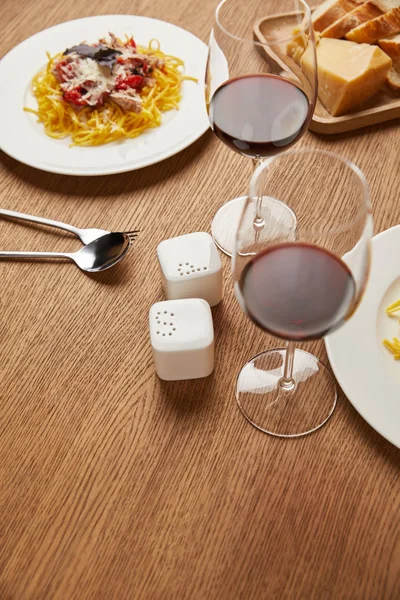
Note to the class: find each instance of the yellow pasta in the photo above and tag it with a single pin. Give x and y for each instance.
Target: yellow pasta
(394, 345)
(389, 345)
(108, 123)
(395, 307)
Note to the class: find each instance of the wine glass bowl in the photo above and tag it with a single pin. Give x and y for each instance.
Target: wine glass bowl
(299, 275)
(260, 85)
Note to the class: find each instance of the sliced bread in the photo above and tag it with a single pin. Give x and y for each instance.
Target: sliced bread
(393, 77)
(352, 19)
(331, 10)
(386, 5)
(381, 27)
(391, 45)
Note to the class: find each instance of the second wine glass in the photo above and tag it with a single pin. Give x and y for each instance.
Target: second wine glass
(299, 275)
(261, 86)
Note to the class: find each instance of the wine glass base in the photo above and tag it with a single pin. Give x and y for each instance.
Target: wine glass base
(227, 220)
(281, 413)
(225, 224)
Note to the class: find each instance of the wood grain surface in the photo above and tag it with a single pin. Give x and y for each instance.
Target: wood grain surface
(114, 484)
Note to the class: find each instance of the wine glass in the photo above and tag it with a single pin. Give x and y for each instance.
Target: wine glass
(300, 267)
(260, 86)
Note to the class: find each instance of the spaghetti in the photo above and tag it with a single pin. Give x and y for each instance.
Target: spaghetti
(109, 122)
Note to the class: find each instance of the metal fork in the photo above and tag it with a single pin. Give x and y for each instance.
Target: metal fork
(85, 235)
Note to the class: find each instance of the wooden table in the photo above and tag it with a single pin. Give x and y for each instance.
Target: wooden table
(114, 484)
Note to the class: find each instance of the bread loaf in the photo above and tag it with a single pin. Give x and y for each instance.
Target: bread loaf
(352, 19)
(330, 11)
(391, 46)
(386, 5)
(393, 77)
(381, 27)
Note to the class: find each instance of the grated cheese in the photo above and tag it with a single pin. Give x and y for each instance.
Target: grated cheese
(84, 70)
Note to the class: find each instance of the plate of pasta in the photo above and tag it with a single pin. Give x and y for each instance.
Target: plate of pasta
(102, 95)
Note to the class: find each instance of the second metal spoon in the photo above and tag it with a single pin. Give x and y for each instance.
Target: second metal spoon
(101, 254)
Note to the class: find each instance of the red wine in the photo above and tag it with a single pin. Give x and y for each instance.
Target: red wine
(297, 291)
(258, 115)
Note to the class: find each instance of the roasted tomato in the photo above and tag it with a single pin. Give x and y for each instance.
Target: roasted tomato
(74, 97)
(59, 69)
(131, 42)
(132, 81)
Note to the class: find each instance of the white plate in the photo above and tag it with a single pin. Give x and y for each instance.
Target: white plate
(24, 139)
(365, 370)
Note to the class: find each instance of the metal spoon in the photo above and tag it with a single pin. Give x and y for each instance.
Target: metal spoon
(101, 254)
(85, 235)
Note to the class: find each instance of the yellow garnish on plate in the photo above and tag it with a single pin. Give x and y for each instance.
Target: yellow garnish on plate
(390, 346)
(393, 345)
(393, 308)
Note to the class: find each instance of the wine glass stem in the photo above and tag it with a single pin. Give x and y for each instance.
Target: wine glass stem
(256, 162)
(259, 222)
(287, 381)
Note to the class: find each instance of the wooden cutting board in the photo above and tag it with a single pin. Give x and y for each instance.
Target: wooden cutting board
(384, 106)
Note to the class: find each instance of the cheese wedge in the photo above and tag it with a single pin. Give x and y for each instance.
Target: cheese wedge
(297, 45)
(352, 19)
(330, 11)
(381, 27)
(348, 73)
